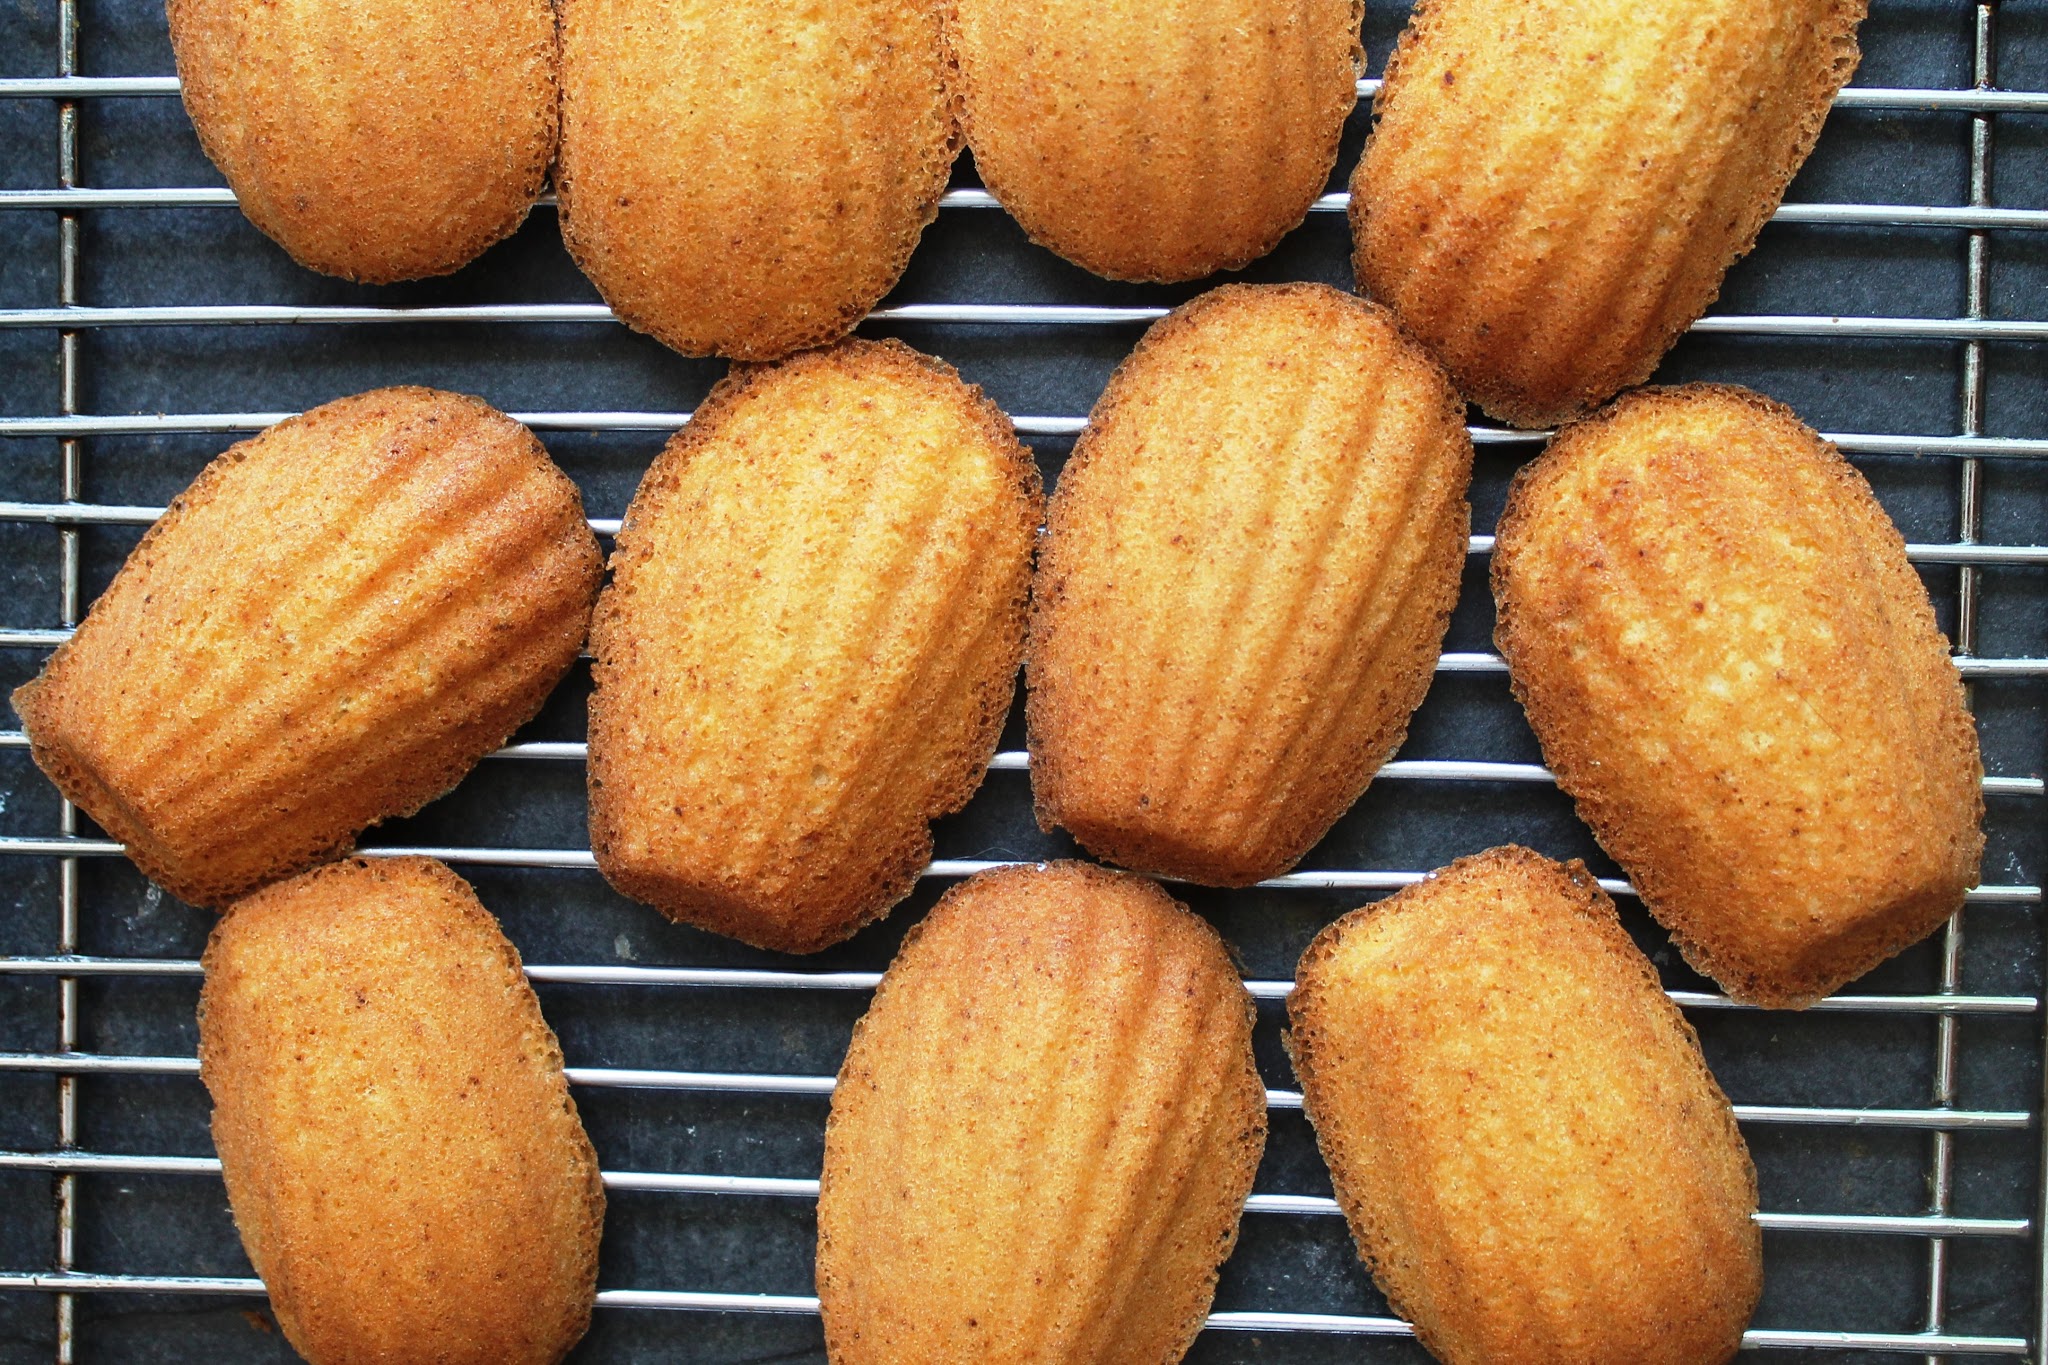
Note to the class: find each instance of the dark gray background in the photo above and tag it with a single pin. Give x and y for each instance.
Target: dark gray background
(174, 1225)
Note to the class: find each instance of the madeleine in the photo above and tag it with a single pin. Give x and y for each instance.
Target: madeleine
(1737, 675)
(809, 643)
(1043, 1133)
(327, 629)
(1533, 1158)
(402, 1156)
(377, 140)
(1554, 190)
(1156, 143)
(1250, 563)
(748, 181)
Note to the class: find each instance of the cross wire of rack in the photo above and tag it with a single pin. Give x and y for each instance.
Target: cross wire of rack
(1941, 1118)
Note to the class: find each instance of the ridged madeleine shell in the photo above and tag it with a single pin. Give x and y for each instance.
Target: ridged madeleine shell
(405, 1165)
(1250, 563)
(809, 643)
(1522, 1133)
(1554, 190)
(1156, 142)
(743, 180)
(328, 628)
(1738, 677)
(1043, 1133)
(377, 140)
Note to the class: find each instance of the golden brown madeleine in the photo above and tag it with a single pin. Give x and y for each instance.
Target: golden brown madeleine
(377, 140)
(1736, 674)
(328, 628)
(405, 1165)
(1554, 189)
(1252, 557)
(1533, 1158)
(809, 643)
(1043, 1133)
(1156, 142)
(744, 183)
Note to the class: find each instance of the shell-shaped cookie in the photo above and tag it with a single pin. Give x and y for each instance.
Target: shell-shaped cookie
(377, 140)
(1737, 675)
(1530, 1151)
(1151, 142)
(1251, 560)
(809, 643)
(328, 628)
(1554, 190)
(1043, 1133)
(748, 181)
(405, 1164)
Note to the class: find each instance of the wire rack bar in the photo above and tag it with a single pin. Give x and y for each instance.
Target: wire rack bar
(1450, 661)
(73, 513)
(1851, 442)
(752, 978)
(85, 87)
(224, 422)
(778, 1187)
(1333, 880)
(1966, 217)
(1969, 499)
(1017, 760)
(71, 480)
(771, 1083)
(69, 87)
(982, 314)
(802, 1304)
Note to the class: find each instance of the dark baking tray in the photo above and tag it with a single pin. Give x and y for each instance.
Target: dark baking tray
(139, 1223)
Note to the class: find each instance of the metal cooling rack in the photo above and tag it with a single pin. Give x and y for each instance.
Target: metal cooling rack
(62, 1281)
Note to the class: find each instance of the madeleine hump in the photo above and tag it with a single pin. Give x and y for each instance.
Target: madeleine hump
(1043, 1133)
(747, 180)
(1554, 189)
(328, 628)
(377, 140)
(1151, 142)
(1533, 1158)
(403, 1159)
(1737, 675)
(1251, 561)
(809, 643)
